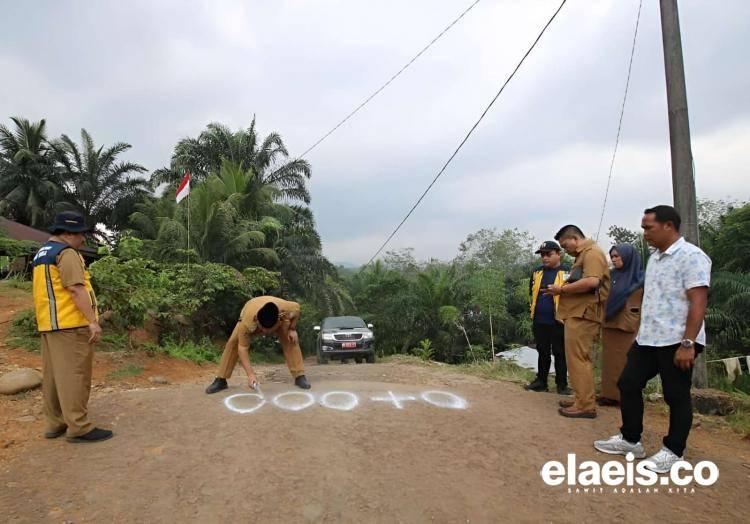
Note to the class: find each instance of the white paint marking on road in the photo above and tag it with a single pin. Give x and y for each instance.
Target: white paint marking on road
(308, 401)
(229, 403)
(351, 402)
(453, 401)
(394, 399)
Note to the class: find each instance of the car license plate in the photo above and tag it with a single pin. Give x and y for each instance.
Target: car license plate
(349, 345)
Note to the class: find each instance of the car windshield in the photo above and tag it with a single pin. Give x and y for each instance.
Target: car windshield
(343, 323)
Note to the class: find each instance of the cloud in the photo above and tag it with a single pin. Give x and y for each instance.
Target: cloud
(151, 73)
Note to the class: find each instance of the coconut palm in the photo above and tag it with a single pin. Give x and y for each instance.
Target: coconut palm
(97, 185)
(29, 185)
(268, 158)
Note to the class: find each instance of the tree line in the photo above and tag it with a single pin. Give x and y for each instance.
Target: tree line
(250, 214)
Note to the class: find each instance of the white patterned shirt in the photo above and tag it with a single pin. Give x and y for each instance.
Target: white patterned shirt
(669, 275)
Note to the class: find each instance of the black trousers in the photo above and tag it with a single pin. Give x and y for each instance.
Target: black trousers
(643, 364)
(550, 340)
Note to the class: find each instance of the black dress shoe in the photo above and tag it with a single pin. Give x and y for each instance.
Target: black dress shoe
(301, 382)
(95, 435)
(537, 385)
(564, 390)
(217, 385)
(55, 434)
(604, 401)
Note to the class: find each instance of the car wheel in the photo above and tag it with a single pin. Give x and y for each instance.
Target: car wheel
(322, 359)
(344, 360)
(371, 358)
(358, 360)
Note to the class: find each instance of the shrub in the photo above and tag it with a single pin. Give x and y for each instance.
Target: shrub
(129, 288)
(24, 324)
(202, 352)
(425, 351)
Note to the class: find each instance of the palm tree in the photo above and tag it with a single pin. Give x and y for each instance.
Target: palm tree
(228, 225)
(96, 184)
(729, 310)
(204, 155)
(29, 185)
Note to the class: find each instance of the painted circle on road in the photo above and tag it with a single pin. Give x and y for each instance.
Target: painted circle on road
(229, 402)
(304, 400)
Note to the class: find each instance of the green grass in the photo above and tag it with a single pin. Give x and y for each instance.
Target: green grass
(503, 370)
(32, 344)
(202, 352)
(128, 370)
(22, 332)
(16, 282)
(114, 342)
(266, 358)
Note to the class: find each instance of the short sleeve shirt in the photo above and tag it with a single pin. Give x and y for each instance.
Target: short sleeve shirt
(288, 313)
(71, 267)
(669, 275)
(590, 262)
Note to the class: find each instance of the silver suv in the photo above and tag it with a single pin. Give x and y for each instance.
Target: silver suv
(342, 338)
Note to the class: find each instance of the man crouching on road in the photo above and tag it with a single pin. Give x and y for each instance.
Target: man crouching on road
(262, 316)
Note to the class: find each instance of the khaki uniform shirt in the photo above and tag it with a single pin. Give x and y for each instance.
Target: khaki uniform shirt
(70, 265)
(288, 317)
(590, 262)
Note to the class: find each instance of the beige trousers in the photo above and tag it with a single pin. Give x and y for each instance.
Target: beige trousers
(67, 358)
(580, 335)
(230, 356)
(615, 346)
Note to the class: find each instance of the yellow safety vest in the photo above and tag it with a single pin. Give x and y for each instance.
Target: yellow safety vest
(55, 309)
(537, 284)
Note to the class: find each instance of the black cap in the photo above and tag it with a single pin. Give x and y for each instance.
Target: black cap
(547, 246)
(69, 221)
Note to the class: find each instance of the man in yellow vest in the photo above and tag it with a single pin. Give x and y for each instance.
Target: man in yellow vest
(549, 334)
(68, 321)
(262, 316)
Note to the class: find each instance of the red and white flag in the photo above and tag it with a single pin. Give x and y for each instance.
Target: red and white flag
(184, 188)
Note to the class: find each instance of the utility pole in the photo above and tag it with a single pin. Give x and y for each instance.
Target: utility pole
(683, 182)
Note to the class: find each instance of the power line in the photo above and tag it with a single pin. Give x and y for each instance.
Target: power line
(377, 91)
(502, 88)
(619, 125)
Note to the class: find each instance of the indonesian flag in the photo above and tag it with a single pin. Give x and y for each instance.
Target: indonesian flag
(184, 188)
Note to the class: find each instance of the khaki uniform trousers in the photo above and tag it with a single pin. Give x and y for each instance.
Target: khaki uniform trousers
(230, 356)
(67, 358)
(615, 346)
(580, 335)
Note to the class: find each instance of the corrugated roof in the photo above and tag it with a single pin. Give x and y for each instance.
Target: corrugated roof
(18, 231)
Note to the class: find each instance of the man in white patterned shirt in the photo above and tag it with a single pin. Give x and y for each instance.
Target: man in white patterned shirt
(672, 332)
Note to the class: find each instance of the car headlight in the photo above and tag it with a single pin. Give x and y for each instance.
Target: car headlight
(367, 336)
(328, 337)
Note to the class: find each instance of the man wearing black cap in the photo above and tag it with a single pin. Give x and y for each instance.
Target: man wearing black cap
(68, 321)
(548, 331)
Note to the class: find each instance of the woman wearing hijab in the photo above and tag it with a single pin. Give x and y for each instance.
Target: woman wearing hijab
(623, 317)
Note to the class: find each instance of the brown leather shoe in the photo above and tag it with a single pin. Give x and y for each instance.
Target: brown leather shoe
(566, 402)
(572, 412)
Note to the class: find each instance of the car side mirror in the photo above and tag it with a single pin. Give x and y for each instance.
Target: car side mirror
(370, 326)
(316, 328)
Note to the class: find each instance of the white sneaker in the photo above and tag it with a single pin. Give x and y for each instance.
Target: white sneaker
(662, 461)
(616, 445)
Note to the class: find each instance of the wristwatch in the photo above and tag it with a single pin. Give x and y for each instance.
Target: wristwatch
(687, 343)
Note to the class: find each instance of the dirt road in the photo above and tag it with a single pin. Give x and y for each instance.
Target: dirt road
(181, 455)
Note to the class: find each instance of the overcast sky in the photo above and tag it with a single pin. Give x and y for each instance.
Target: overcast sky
(149, 73)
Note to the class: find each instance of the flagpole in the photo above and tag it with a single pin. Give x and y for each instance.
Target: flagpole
(188, 234)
